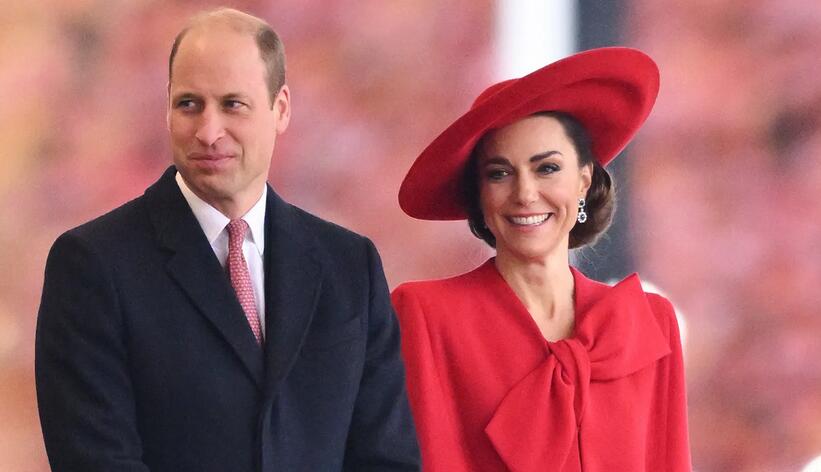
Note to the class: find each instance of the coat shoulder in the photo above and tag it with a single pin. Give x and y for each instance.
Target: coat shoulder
(349, 257)
(121, 224)
(327, 233)
(665, 314)
(439, 295)
(456, 285)
(634, 293)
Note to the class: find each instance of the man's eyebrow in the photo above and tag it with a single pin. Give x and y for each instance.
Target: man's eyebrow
(184, 96)
(236, 96)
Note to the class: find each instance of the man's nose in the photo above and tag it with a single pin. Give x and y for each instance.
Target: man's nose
(211, 128)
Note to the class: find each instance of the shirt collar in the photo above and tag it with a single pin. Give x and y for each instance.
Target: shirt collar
(213, 222)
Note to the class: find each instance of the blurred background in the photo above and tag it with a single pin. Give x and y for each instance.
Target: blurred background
(717, 194)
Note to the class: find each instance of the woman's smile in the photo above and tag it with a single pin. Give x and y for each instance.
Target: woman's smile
(529, 220)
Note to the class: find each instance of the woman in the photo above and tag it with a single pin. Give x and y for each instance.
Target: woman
(524, 364)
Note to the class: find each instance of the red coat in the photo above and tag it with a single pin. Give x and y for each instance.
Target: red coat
(489, 393)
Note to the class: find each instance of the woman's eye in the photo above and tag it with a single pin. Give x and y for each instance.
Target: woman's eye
(548, 168)
(497, 174)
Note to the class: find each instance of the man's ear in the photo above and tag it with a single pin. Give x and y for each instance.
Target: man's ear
(168, 106)
(282, 108)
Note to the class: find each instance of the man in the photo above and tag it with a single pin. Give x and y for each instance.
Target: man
(208, 325)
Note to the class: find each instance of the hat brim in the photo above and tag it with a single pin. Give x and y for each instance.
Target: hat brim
(610, 91)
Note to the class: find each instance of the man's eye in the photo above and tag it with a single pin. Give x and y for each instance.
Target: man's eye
(233, 104)
(186, 104)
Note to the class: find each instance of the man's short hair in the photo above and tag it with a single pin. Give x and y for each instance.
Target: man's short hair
(270, 46)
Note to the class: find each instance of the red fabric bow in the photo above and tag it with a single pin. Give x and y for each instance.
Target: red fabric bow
(616, 337)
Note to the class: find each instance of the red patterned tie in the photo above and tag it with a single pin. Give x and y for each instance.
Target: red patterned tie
(240, 278)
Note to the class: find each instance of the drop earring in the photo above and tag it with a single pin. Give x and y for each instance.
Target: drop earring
(582, 216)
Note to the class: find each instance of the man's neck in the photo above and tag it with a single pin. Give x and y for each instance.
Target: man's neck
(235, 206)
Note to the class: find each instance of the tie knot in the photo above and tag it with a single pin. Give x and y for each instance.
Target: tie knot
(236, 231)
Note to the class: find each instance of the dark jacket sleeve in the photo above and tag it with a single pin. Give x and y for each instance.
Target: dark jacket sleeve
(382, 436)
(84, 392)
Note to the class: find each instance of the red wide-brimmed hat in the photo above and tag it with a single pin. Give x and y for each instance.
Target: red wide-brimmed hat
(610, 91)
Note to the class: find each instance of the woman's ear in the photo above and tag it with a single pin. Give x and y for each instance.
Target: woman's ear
(586, 174)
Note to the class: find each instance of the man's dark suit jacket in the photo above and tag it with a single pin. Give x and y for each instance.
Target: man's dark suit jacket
(145, 360)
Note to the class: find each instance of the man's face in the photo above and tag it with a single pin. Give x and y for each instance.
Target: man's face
(223, 125)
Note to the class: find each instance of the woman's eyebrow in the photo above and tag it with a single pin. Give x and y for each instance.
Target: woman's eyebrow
(544, 155)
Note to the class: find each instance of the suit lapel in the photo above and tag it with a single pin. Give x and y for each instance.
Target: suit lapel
(193, 265)
(292, 284)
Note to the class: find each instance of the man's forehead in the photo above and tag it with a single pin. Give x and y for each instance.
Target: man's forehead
(214, 36)
(217, 63)
(227, 17)
(217, 49)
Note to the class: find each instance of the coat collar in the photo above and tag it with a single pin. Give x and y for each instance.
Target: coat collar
(292, 279)
(597, 308)
(615, 335)
(195, 268)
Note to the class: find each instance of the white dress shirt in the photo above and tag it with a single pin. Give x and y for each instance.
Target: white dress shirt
(213, 224)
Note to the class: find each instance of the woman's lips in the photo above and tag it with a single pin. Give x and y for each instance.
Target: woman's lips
(529, 220)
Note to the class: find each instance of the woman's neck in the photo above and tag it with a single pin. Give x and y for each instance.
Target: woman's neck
(545, 286)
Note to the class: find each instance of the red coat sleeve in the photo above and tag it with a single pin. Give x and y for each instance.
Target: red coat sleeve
(675, 448)
(431, 403)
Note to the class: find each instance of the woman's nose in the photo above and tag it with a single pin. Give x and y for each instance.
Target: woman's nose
(526, 191)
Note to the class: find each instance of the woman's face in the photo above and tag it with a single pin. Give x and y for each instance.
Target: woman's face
(529, 186)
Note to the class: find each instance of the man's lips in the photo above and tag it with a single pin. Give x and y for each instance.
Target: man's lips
(198, 156)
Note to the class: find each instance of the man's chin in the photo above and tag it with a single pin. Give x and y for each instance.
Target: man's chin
(210, 187)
